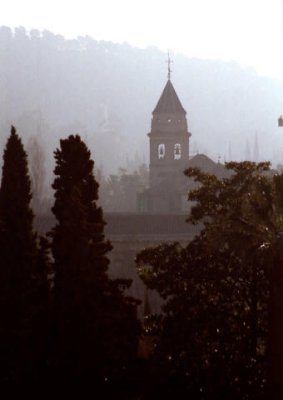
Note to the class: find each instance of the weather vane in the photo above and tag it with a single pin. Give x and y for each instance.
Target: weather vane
(169, 61)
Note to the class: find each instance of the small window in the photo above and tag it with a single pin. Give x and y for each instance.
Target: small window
(177, 151)
(161, 150)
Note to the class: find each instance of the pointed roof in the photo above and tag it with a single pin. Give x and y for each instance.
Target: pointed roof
(169, 101)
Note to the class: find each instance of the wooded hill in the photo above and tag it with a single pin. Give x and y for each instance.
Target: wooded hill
(52, 87)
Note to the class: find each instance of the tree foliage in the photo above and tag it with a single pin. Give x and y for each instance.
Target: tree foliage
(96, 325)
(243, 206)
(21, 303)
(119, 192)
(213, 336)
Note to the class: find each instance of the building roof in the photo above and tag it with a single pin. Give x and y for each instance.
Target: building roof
(177, 182)
(169, 101)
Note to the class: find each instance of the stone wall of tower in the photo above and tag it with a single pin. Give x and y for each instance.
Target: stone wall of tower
(169, 141)
(169, 137)
(169, 153)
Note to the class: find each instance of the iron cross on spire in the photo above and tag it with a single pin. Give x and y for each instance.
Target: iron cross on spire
(169, 61)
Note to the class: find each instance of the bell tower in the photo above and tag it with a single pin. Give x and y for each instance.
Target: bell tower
(169, 136)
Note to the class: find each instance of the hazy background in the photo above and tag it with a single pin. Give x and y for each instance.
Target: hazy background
(248, 31)
(98, 69)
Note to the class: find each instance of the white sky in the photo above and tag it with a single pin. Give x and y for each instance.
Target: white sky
(248, 31)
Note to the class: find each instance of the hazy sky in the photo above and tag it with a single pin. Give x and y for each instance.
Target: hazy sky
(248, 31)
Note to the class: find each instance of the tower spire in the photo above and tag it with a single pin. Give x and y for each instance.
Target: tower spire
(169, 62)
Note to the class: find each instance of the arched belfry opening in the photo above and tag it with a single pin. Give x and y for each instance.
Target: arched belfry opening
(169, 136)
(161, 150)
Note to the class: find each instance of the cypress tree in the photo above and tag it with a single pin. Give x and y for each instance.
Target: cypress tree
(17, 254)
(96, 328)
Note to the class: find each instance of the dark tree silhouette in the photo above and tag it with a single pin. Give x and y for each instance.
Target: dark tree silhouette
(19, 279)
(213, 335)
(95, 324)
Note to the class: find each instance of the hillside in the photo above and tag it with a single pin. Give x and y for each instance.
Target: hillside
(51, 87)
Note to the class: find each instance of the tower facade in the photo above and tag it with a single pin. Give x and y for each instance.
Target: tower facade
(169, 137)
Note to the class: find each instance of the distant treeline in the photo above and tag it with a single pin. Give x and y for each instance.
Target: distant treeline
(50, 86)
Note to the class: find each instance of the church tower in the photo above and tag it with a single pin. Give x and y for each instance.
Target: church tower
(169, 136)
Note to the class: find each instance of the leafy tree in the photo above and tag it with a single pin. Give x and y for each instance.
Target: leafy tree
(119, 192)
(247, 215)
(214, 331)
(20, 308)
(95, 324)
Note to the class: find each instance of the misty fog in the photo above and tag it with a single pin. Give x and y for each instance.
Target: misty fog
(51, 87)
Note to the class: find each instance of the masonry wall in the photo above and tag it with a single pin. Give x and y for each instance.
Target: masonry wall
(131, 233)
